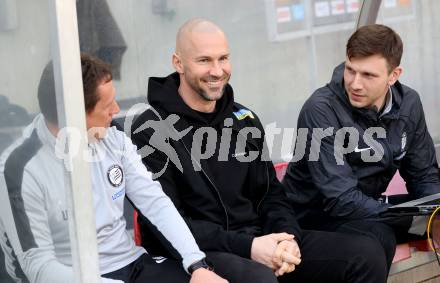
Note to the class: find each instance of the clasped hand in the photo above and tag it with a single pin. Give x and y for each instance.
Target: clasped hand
(279, 251)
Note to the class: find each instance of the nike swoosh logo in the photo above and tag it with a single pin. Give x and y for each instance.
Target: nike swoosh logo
(357, 149)
(159, 259)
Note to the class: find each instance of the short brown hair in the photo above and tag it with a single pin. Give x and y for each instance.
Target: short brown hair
(376, 40)
(94, 73)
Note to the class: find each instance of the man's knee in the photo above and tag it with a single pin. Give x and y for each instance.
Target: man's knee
(385, 235)
(341, 257)
(237, 269)
(368, 260)
(362, 259)
(381, 232)
(261, 274)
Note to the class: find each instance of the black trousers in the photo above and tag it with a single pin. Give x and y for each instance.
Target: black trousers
(145, 269)
(326, 257)
(387, 231)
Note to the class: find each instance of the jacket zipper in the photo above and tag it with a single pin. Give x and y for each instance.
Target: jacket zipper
(267, 187)
(267, 175)
(387, 147)
(212, 184)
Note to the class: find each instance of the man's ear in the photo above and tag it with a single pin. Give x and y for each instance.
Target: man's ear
(177, 63)
(394, 76)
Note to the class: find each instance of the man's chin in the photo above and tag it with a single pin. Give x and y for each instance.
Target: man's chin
(96, 133)
(211, 96)
(357, 105)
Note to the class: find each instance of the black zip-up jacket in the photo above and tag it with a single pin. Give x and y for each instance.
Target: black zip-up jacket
(202, 194)
(321, 189)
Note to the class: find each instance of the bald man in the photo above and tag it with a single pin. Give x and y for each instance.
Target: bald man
(231, 199)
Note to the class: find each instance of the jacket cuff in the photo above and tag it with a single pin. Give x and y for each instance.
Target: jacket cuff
(241, 244)
(192, 258)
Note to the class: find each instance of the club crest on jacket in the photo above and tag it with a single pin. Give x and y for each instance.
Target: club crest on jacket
(115, 175)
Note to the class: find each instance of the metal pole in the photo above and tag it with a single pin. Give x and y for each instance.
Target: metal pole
(368, 13)
(70, 100)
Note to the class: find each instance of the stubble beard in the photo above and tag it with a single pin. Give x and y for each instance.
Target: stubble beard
(205, 96)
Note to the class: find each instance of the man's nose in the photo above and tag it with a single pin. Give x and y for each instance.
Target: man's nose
(216, 70)
(116, 108)
(356, 83)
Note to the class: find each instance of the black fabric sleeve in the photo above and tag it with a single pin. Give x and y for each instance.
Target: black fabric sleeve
(419, 167)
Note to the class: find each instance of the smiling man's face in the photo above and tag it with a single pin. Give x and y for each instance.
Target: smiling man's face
(206, 65)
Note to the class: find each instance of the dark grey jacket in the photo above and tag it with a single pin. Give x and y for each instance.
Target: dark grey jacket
(323, 189)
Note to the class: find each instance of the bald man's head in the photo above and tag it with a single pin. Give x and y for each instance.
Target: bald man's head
(185, 35)
(202, 61)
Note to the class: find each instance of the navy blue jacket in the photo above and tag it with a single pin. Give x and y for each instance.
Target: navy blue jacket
(323, 188)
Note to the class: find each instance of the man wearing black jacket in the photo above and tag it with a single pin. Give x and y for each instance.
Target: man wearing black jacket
(230, 197)
(366, 125)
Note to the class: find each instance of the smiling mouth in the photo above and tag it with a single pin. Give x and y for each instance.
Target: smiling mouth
(214, 84)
